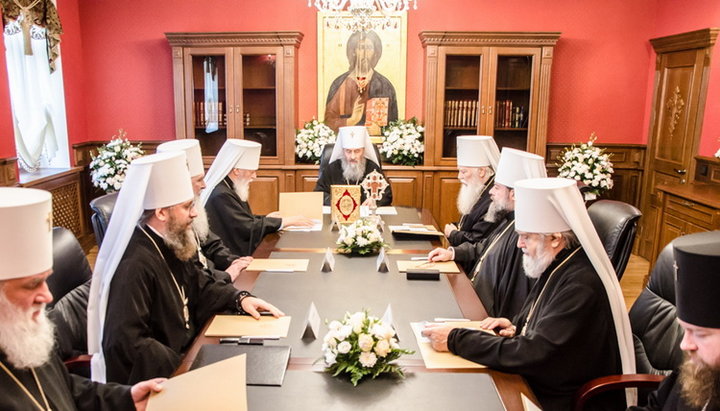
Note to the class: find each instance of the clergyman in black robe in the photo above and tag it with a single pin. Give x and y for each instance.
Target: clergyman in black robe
(569, 339)
(234, 222)
(333, 175)
(472, 226)
(145, 332)
(63, 391)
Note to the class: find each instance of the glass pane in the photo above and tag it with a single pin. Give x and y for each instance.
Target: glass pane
(512, 101)
(209, 108)
(259, 117)
(462, 96)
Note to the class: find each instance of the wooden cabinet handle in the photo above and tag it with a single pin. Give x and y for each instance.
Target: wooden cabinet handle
(681, 172)
(688, 204)
(482, 109)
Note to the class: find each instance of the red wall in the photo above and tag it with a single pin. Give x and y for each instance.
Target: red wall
(675, 17)
(119, 74)
(7, 138)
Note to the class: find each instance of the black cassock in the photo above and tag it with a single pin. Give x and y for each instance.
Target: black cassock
(144, 324)
(472, 227)
(498, 276)
(667, 397)
(233, 221)
(333, 175)
(214, 257)
(570, 338)
(63, 391)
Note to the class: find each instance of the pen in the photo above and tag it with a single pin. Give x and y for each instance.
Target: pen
(426, 263)
(418, 258)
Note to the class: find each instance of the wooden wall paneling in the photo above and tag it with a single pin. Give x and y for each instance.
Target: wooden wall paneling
(406, 186)
(305, 180)
(265, 191)
(445, 191)
(8, 172)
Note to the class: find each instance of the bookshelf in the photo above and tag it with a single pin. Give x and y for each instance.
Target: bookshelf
(490, 83)
(237, 85)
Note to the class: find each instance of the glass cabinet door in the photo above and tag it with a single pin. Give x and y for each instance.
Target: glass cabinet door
(513, 95)
(259, 101)
(461, 105)
(209, 106)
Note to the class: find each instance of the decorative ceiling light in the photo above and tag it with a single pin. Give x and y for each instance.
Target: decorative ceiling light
(364, 14)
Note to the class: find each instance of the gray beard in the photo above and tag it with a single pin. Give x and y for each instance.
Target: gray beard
(699, 383)
(242, 189)
(535, 266)
(497, 211)
(468, 197)
(25, 342)
(200, 223)
(353, 172)
(181, 241)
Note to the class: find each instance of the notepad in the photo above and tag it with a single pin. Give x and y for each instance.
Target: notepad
(246, 326)
(266, 364)
(436, 359)
(283, 265)
(219, 386)
(413, 230)
(448, 267)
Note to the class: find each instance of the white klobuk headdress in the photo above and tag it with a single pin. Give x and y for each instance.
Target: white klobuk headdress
(235, 153)
(191, 147)
(152, 182)
(517, 165)
(477, 151)
(354, 137)
(550, 205)
(25, 232)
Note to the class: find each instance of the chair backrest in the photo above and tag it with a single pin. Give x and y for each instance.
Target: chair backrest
(616, 225)
(653, 317)
(327, 152)
(70, 266)
(102, 210)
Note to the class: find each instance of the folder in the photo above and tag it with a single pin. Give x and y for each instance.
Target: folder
(308, 205)
(448, 267)
(265, 364)
(278, 264)
(246, 326)
(219, 386)
(436, 359)
(414, 231)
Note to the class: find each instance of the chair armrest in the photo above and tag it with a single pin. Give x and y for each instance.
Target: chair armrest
(79, 365)
(614, 382)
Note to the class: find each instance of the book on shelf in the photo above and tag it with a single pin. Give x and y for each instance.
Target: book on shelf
(461, 113)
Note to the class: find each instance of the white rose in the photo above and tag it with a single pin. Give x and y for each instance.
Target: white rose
(330, 358)
(382, 348)
(356, 321)
(343, 332)
(365, 342)
(334, 325)
(344, 347)
(368, 359)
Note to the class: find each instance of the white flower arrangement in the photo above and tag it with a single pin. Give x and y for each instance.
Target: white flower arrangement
(361, 237)
(403, 144)
(310, 140)
(361, 345)
(717, 155)
(108, 168)
(589, 165)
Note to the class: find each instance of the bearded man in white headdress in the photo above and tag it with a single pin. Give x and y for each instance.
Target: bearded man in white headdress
(212, 254)
(32, 375)
(574, 325)
(352, 159)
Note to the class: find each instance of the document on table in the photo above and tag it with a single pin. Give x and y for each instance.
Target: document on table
(436, 359)
(306, 204)
(317, 226)
(246, 326)
(415, 229)
(218, 386)
(278, 265)
(449, 267)
(386, 211)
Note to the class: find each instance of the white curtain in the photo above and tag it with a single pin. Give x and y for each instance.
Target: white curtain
(211, 94)
(37, 101)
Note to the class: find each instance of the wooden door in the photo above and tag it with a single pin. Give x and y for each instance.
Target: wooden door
(681, 77)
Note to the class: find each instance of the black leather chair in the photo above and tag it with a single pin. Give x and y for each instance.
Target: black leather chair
(102, 210)
(656, 334)
(70, 286)
(616, 225)
(327, 152)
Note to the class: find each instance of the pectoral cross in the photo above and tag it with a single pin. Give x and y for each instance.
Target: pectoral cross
(374, 185)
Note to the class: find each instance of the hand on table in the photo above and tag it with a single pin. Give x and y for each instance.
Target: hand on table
(440, 254)
(507, 329)
(253, 306)
(140, 392)
(237, 266)
(297, 221)
(438, 335)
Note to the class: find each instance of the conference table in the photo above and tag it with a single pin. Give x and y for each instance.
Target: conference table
(354, 285)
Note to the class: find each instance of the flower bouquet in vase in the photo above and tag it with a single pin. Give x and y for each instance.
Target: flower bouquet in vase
(403, 143)
(310, 140)
(360, 346)
(588, 165)
(360, 238)
(108, 168)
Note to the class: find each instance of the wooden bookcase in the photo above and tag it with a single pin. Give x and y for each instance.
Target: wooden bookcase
(256, 76)
(490, 83)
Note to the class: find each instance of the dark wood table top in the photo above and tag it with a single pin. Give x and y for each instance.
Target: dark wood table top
(509, 386)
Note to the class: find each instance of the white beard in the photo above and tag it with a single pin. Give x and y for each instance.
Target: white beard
(535, 266)
(242, 189)
(498, 209)
(353, 172)
(469, 196)
(26, 342)
(200, 223)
